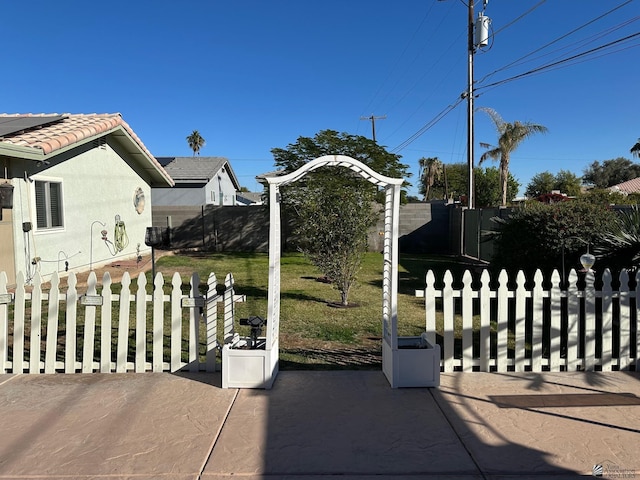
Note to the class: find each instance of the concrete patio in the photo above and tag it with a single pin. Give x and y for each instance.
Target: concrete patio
(319, 424)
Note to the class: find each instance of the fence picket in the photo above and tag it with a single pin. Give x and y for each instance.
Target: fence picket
(531, 309)
(537, 296)
(555, 327)
(141, 324)
(573, 321)
(607, 322)
(520, 322)
(485, 321)
(590, 322)
(562, 323)
(194, 323)
(67, 351)
(211, 320)
(122, 348)
(624, 335)
(448, 311)
(158, 323)
(71, 339)
(18, 325)
(227, 298)
(430, 307)
(36, 324)
(4, 322)
(176, 323)
(51, 353)
(467, 323)
(502, 319)
(105, 325)
(89, 326)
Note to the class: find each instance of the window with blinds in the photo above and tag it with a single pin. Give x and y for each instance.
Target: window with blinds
(48, 204)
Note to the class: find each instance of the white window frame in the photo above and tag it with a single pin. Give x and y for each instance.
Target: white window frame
(48, 181)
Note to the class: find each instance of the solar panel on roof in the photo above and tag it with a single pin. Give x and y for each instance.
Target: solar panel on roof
(11, 125)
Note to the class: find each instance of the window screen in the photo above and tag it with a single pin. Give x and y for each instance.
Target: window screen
(48, 204)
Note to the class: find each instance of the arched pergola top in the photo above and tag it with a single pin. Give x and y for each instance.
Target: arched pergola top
(337, 161)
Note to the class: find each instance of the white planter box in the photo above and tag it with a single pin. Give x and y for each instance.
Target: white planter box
(416, 363)
(247, 368)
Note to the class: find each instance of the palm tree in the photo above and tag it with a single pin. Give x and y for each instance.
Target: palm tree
(510, 135)
(196, 142)
(430, 171)
(635, 150)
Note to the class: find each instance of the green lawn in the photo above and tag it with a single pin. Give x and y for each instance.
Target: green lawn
(313, 334)
(307, 323)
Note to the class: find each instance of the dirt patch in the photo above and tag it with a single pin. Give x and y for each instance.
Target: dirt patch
(304, 353)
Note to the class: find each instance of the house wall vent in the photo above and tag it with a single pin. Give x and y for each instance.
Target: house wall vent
(100, 143)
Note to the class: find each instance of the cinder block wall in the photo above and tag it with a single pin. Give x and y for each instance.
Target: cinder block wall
(424, 228)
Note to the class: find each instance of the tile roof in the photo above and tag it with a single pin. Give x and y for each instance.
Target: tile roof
(630, 186)
(70, 130)
(196, 169)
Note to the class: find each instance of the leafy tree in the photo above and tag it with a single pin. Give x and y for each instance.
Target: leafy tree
(610, 172)
(487, 185)
(635, 150)
(533, 236)
(452, 183)
(606, 197)
(510, 136)
(431, 169)
(334, 205)
(540, 184)
(330, 142)
(564, 181)
(568, 182)
(487, 190)
(333, 229)
(196, 142)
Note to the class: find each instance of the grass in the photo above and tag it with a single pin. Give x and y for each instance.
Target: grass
(307, 322)
(313, 334)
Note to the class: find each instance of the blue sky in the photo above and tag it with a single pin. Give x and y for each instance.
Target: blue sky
(254, 75)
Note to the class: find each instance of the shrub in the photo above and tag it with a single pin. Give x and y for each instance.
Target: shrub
(533, 236)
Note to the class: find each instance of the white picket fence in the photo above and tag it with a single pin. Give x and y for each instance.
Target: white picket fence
(40, 332)
(546, 330)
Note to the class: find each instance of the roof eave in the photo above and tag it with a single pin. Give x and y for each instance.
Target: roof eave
(19, 151)
(149, 164)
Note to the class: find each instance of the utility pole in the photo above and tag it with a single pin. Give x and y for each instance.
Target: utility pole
(373, 123)
(470, 139)
(477, 37)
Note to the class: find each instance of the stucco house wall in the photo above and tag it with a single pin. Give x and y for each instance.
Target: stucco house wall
(105, 183)
(87, 197)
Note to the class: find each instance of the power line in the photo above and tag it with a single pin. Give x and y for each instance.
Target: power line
(519, 60)
(427, 126)
(540, 69)
(559, 62)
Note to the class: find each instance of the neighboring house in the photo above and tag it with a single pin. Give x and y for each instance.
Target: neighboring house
(249, 198)
(81, 195)
(630, 186)
(198, 181)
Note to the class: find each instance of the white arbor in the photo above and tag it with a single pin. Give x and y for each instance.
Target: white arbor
(261, 369)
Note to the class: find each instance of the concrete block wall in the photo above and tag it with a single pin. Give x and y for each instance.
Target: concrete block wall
(424, 228)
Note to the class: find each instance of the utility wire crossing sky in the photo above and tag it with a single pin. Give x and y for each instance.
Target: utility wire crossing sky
(254, 75)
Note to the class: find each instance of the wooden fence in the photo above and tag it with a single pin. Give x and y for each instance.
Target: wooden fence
(536, 329)
(66, 331)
